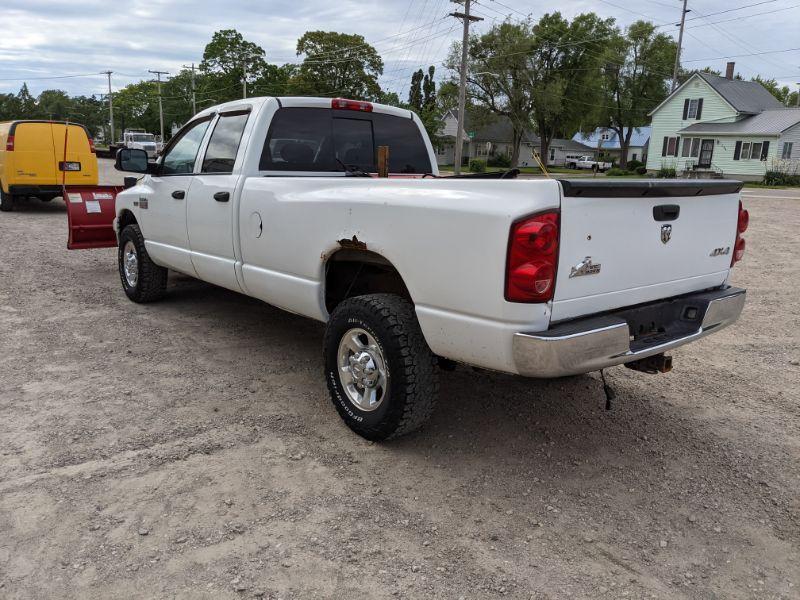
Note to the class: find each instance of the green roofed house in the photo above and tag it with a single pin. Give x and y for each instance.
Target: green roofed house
(714, 126)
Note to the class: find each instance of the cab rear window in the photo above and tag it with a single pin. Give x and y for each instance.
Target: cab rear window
(323, 140)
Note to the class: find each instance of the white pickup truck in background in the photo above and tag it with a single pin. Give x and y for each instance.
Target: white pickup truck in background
(272, 197)
(587, 162)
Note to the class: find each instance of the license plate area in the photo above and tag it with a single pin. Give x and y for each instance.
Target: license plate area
(68, 165)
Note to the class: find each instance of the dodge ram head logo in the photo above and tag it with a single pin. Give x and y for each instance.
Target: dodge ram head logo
(666, 233)
(585, 267)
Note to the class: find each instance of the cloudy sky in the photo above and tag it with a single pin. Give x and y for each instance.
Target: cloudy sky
(46, 39)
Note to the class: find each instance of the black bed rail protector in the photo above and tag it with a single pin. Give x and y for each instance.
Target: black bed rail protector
(594, 188)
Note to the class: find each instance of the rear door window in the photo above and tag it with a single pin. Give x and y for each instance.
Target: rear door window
(323, 140)
(224, 143)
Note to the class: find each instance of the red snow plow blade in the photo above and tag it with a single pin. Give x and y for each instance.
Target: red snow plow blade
(90, 213)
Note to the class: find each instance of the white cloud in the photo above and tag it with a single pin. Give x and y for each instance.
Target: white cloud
(54, 37)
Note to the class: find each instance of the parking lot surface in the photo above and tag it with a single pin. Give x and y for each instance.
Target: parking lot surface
(188, 449)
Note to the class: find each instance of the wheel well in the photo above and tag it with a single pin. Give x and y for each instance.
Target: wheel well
(125, 218)
(351, 273)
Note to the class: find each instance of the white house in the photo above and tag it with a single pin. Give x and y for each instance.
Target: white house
(721, 126)
(607, 141)
(496, 138)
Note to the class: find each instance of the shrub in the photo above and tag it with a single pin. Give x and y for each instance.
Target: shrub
(633, 165)
(500, 160)
(667, 173)
(477, 165)
(615, 172)
(641, 170)
(781, 178)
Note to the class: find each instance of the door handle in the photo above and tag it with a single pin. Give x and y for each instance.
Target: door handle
(222, 196)
(666, 212)
(179, 194)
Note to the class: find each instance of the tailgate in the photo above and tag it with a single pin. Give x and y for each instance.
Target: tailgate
(628, 242)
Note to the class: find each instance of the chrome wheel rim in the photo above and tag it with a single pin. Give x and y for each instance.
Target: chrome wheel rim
(362, 370)
(130, 264)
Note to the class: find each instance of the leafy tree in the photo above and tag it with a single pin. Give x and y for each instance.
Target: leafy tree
(9, 107)
(27, 103)
(541, 75)
(54, 104)
(781, 92)
(429, 89)
(634, 81)
(497, 75)
(563, 72)
(227, 58)
(415, 90)
(337, 64)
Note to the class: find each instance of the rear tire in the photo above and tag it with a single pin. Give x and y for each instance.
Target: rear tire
(142, 279)
(381, 375)
(6, 201)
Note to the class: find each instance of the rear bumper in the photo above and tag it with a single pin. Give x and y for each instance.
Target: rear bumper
(34, 190)
(589, 344)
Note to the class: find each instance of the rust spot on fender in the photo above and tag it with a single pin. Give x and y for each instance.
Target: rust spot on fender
(353, 244)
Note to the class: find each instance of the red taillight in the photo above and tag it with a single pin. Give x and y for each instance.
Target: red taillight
(741, 226)
(10, 143)
(532, 259)
(345, 104)
(91, 146)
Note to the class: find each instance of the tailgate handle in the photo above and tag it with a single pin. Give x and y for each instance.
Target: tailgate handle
(666, 212)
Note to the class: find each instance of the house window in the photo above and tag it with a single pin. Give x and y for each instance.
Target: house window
(695, 147)
(786, 151)
(635, 156)
(751, 151)
(687, 147)
(692, 108)
(745, 150)
(670, 147)
(692, 112)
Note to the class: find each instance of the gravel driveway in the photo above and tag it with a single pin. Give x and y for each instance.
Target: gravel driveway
(188, 449)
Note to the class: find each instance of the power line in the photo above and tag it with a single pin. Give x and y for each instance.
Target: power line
(744, 55)
(734, 9)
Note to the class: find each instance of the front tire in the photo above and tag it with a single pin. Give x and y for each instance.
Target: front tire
(142, 279)
(6, 201)
(381, 375)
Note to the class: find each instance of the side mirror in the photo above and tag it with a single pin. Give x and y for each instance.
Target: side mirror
(129, 182)
(132, 160)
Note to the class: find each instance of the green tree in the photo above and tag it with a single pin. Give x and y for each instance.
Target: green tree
(429, 89)
(27, 103)
(54, 104)
(634, 80)
(337, 64)
(782, 92)
(229, 59)
(415, 90)
(563, 72)
(496, 76)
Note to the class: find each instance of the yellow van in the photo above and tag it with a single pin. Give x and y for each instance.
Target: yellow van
(34, 161)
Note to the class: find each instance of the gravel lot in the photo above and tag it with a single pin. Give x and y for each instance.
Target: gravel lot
(188, 449)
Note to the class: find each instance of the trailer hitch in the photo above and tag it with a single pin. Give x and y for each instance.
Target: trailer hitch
(658, 363)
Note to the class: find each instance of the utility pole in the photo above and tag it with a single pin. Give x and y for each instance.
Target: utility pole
(798, 94)
(110, 106)
(194, 89)
(680, 45)
(462, 87)
(158, 75)
(194, 96)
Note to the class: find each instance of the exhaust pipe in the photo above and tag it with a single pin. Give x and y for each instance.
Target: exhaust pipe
(658, 363)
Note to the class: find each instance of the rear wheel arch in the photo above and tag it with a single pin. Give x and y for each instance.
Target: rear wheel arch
(357, 272)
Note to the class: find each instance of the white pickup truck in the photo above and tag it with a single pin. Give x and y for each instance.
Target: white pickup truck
(587, 162)
(276, 198)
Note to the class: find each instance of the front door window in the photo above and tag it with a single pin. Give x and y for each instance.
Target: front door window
(706, 154)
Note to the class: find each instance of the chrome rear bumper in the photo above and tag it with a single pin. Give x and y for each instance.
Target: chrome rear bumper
(592, 343)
